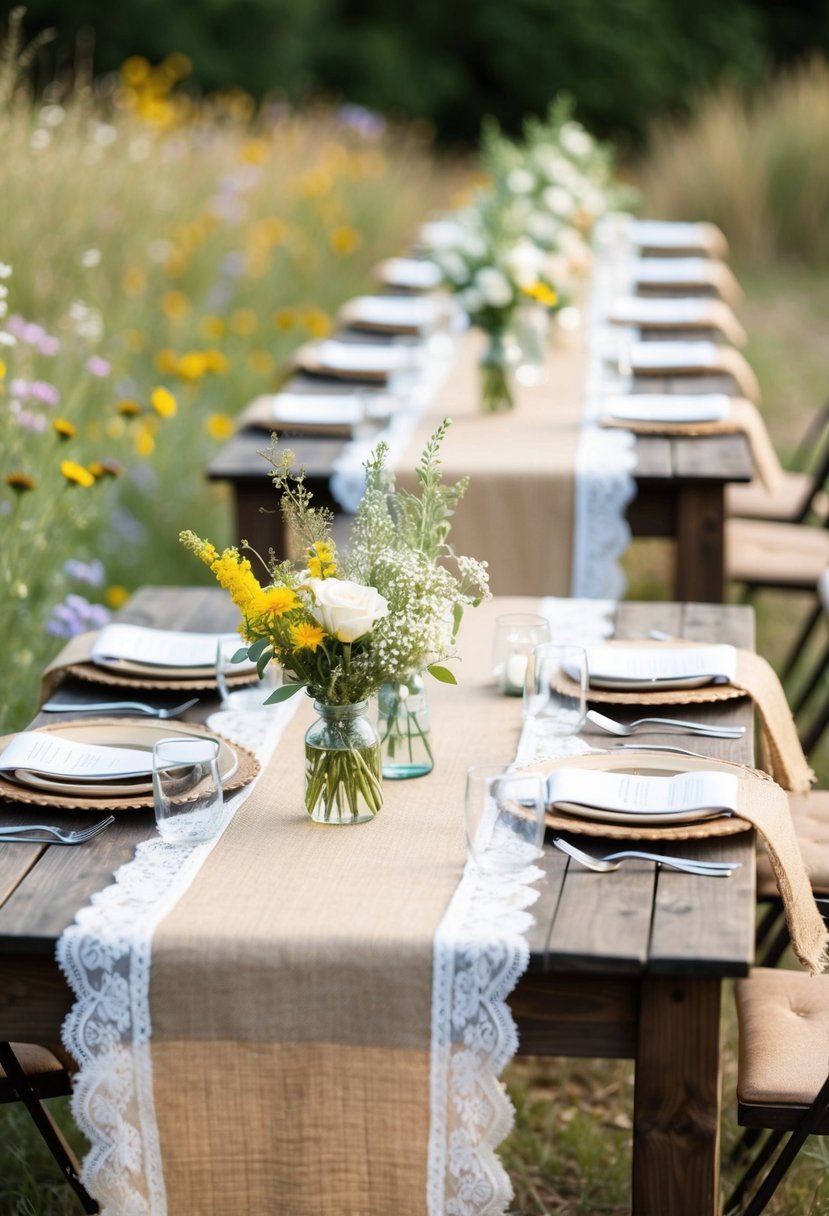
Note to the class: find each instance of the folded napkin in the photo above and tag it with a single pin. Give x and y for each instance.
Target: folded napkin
(680, 274)
(761, 804)
(334, 414)
(677, 312)
(668, 235)
(412, 274)
(391, 314)
(780, 749)
(372, 361)
(691, 358)
(685, 414)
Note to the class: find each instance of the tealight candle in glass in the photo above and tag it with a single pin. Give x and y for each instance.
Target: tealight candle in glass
(516, 636)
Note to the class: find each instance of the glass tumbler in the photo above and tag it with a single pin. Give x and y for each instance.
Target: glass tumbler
(187, 789)
(516, 636)
(504, 816)
(555, 689)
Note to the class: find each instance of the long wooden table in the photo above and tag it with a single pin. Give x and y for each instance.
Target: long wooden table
(680, 485)
(625, 965)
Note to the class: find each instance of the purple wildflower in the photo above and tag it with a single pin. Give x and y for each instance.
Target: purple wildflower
(364, 122)
(96, 366)
(49, 345)
(33, 333)
(76, 615)
(91, 572)
(30, 421)
(44, 392)
(19, 388)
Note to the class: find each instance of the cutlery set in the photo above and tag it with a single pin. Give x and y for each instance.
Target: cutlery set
(612, 861)
(706, 729)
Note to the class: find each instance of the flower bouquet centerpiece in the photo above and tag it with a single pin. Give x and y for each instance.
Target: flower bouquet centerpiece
(492, 267)
(342, 626)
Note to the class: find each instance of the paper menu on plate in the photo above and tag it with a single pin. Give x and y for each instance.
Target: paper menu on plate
(665, 234)
(162, 647)
(646, 310)
(414, 273)
(41, 752)
(671, 270)
(661, 662)
(363, 356)
(668, 407)
(414, 311)
(677, 794)
(643, 355)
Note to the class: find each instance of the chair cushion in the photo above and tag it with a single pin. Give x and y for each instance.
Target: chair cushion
(754, 501)
(810, 813)
(44, 1069)
(783, 1021)
(773, 553)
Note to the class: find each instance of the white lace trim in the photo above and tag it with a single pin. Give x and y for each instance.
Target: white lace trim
(105, 956)
(480, 953)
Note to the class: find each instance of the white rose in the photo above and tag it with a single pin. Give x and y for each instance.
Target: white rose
(494, 287)
(520, 181)
(346, 610)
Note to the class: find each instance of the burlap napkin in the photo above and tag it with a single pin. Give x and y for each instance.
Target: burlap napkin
(762, 804)
(744, 418)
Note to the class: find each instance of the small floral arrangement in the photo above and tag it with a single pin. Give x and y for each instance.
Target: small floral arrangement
(342, 625)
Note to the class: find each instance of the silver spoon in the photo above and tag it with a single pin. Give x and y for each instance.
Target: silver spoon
(713, 730)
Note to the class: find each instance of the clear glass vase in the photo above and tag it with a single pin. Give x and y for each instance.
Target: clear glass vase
(497, 367)
(343, 783)
(532, 331)
(403, 724)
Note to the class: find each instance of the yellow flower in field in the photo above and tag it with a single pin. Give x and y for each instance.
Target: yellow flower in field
(269, 231)
(261, 362)
(175, 305)
(322, 560)
(129, 409)
(192, 366)
(244, 321)
(306, 636)
(144, 441)
(219, 426)
(64, 429)
(314, 184)
(177, 65)
(115, 428)
(163, 402)
(285, 318)
(166, 361)
(176, 264)
(135, 70)
(2, 369)
(344, 240)
(254, 152)
(316, 322)
(116, 596)
(107, 468)
(76, 474)
(212, 328)
(274, 601)
(215, 361)
(134, 280)
(19, 482)
(542, 294)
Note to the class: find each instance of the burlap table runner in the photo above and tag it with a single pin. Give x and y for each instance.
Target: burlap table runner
(291, 985)
(744, 417)
(764, 805)
(518, 513)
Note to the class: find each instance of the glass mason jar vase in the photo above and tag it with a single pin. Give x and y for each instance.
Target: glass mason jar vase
(403, 723)
(497, 367)
(532, 331)
(343, 783)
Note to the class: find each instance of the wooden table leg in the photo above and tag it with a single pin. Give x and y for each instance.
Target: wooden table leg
(700, 550)
(676, 1111)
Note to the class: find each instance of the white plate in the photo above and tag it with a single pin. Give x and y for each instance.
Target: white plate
(640, 818)
(86, 789)
(619, 684)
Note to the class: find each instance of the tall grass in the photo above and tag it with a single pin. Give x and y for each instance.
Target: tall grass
(160, 242)
(755, 163)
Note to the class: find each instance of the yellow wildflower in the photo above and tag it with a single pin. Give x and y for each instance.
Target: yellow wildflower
(64, 429)
(203, 549)
(274, 601)
(219, 426)
(106, 468)
(316, 322)
(344, 240)
(166, 361)
(192, 366)
(542, 294)
(261, 362)
(244, 321)
(163, 402)
(177, 65)
(2, 369)
(254, 152)
(115, 428)
(76, 474)
(144, 440)
(128, 409)
(212, 328)
(116, 596)
(19, 482)
(215, 361)
(322, 560)
(285, 318)
(270, 231)
(306, 636)
(135, 70)
(134, 280)
(175, 305)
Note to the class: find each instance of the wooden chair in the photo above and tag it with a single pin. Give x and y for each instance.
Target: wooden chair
(30, 1074)
(801, 494)
(782, 1082)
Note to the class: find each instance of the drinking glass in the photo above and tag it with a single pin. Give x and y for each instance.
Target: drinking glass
(555, 689)
(504, 816)
(250, 696)
(187, 789)
(516, 636)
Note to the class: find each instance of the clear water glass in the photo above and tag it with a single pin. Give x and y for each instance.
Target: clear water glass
(187, 789)
(249, 696)
(504, 817)
(516, 636)
(555, 689)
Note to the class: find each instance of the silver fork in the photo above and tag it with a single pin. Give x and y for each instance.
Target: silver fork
(140, 707)
(612, 861)
(712, 730)
(20, 833)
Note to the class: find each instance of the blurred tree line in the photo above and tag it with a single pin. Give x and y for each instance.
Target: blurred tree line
(450, 61)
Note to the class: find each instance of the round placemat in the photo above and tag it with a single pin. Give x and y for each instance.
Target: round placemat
(706, 694)
(125, 679)
(240, 764)
(725, 825)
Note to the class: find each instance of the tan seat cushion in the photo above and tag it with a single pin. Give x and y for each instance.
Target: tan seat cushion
(35, 1061)
(784, 1036)
(765, 552)
(810, 813)
(754, 501)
